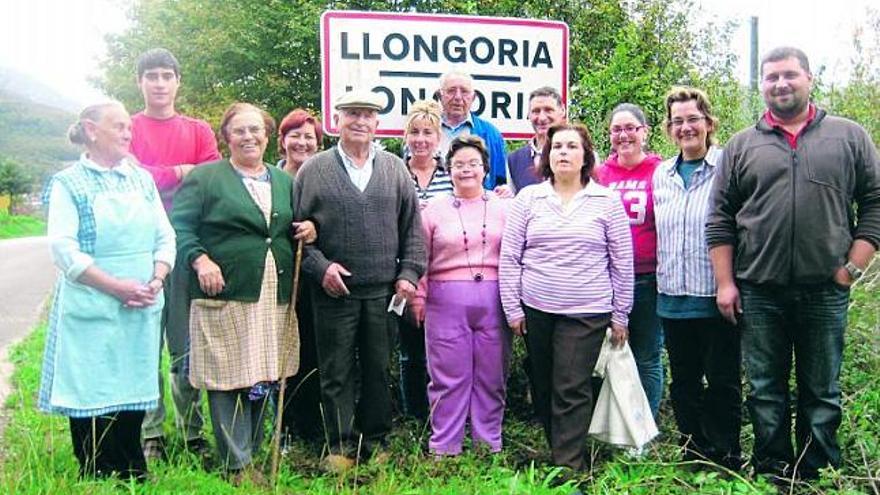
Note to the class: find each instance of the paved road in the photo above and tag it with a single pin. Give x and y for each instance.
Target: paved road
(26, 279)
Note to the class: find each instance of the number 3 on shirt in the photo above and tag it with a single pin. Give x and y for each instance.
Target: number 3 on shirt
(636, 203)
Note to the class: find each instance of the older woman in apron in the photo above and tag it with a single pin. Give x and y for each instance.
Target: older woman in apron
(113, 245)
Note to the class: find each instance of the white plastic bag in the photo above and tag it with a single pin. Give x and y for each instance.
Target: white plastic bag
(622, 416)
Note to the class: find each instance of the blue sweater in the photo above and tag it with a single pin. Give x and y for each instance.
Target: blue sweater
(495, 145)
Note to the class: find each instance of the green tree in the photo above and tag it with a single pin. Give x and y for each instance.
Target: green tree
(268, 52)
(859, 97)
(14, 181)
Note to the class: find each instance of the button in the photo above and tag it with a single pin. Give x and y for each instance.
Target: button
(274, 214)
(281, 271)
(268, 240)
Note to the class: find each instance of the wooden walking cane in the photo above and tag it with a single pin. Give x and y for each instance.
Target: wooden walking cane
(276, 442)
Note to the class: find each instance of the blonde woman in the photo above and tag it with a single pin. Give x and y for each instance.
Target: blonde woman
(430, 178)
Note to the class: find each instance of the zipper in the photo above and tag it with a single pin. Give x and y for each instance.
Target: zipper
(794, 167)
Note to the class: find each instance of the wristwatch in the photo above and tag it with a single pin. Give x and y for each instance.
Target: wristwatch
(855, 272)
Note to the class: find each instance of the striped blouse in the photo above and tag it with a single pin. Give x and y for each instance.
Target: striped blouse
(570, 260)
(439, 185)
(683, 265)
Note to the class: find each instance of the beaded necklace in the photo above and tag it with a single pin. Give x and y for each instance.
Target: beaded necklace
(478, 276)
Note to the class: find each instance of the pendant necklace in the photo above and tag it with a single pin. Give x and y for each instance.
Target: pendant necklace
(477, 276)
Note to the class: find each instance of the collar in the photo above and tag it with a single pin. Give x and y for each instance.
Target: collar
(467, 121)
(545, 189)
(791, 138)
(125, 167)
(710, 161)
(771, 120)
(349, 162)
(533, 144)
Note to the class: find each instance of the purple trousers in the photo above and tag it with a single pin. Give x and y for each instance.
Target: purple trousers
(468, 345)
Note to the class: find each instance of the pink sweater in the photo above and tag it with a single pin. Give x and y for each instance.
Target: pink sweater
(160, 145)
(634, 186)
(444, 241)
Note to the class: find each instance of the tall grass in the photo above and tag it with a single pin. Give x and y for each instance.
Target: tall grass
(37, 456)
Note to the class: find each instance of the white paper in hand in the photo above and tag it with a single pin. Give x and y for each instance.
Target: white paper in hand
(396, 305)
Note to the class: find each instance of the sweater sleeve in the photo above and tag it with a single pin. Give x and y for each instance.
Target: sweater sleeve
(724, 205)
(207, 145)
(867, 192)
(165, 177)
(411, 244)
(165, 249)
(510, 266)
(186, 216)
(620, 256)
(62, 231)
(314, 263)
(428, 231)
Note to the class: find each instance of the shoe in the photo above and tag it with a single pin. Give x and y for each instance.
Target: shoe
(154, 449)
(337, 464)
(200, 448)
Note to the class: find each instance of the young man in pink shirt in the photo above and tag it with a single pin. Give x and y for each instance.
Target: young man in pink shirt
(169, 146)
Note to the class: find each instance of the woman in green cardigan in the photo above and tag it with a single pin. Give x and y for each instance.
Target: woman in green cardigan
(233, 219)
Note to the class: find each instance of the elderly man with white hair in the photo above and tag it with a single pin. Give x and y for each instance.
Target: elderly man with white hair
(457, 97)
(371, 249)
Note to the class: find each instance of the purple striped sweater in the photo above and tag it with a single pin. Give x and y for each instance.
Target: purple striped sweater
(574, 260)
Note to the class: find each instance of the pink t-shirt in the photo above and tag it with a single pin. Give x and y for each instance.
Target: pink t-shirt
(444, 241)
(159, 145)
(634, 186)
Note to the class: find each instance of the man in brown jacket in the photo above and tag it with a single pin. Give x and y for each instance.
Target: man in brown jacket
(786, 242)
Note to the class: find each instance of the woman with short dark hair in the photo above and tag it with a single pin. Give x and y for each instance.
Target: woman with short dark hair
(566, 275)
(467, 344)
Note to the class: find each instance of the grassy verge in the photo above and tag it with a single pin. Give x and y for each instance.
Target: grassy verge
(20, 226)
(38, 457)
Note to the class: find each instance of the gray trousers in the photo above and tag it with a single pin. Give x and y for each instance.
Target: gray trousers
(175, 323)
(354, 336)
(238, 426)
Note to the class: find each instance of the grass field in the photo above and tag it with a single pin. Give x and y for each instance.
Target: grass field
(37, 456)
(12, 226)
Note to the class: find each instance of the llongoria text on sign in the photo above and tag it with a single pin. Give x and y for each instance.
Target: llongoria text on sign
(402, 56)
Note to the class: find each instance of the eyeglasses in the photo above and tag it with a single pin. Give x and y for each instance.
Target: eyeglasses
(464, 165)
(629, 129)
(255, 130)
(692, 120)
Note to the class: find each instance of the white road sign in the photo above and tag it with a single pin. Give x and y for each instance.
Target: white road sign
(401, 57)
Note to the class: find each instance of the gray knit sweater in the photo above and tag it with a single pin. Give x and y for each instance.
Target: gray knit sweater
(375, 234)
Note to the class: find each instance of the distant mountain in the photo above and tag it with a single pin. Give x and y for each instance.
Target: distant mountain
(35, 135)
(17, 83)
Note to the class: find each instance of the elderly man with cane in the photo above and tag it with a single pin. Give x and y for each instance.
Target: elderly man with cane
(370, 253)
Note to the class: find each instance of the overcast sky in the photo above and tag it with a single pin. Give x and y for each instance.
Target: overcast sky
(60, 42)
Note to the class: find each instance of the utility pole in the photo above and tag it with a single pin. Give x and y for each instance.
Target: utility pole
(753, 62)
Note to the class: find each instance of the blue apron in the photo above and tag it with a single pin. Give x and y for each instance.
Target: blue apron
(106, 355)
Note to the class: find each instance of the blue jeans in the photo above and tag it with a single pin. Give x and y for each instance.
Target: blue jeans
(646, 339)
(808, 320)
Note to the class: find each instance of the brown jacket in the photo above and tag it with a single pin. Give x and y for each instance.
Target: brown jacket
(791, 213)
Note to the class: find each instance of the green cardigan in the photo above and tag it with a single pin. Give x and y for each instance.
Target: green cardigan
(214, 214)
